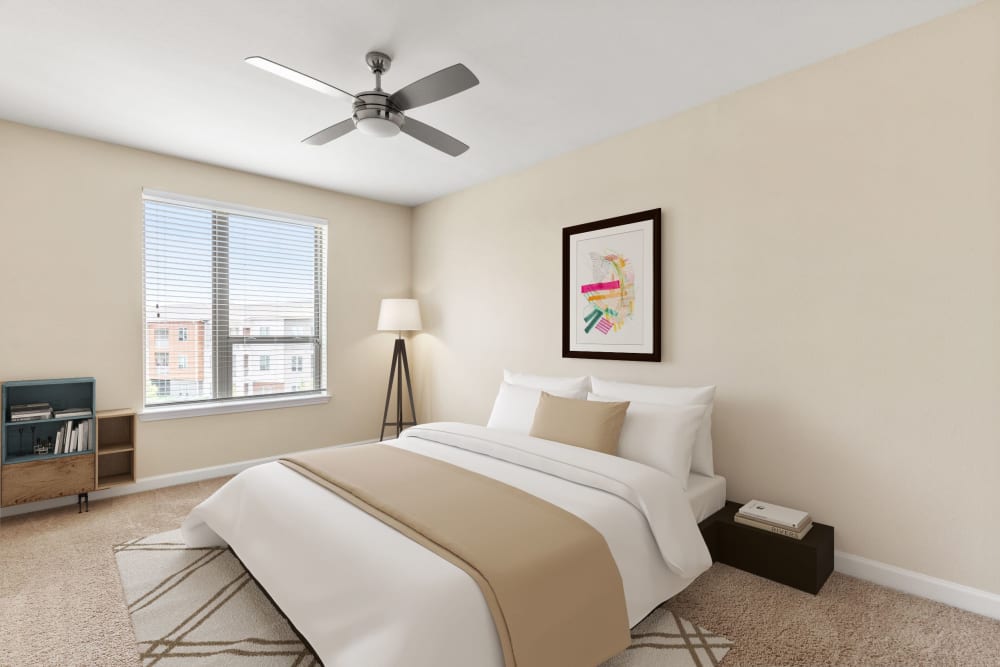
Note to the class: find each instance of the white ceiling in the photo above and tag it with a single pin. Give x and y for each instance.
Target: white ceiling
(168, 76)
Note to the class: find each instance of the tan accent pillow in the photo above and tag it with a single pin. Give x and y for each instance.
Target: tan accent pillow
(589, 424)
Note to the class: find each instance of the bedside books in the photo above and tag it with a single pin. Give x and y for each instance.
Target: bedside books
(774, 518)
(798, 535)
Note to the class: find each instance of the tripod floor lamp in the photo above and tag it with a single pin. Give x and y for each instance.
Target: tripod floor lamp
(399, 315)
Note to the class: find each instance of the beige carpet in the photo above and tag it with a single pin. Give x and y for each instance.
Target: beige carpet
(61, 600)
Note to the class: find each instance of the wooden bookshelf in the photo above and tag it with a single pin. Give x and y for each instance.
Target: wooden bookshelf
(116, 437)
(27, 475)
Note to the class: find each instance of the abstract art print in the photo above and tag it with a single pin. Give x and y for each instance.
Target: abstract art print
(611, 288)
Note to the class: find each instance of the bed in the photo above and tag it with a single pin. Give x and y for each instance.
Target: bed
(362, 593)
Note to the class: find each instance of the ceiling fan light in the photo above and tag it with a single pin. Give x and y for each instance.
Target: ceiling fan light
(377, 127)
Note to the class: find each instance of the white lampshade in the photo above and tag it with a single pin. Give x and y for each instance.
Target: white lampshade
(399, 315)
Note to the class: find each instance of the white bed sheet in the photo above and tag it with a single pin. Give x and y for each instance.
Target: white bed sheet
(707, 495)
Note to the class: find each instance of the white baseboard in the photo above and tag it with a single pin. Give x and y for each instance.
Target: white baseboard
(156, 482)
(921, 585)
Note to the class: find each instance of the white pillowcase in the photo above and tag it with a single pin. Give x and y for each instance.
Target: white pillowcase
(661, 436)
(560, 386)
(514, 407)
(701, 460)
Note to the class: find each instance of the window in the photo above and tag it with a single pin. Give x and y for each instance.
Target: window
(217, 272)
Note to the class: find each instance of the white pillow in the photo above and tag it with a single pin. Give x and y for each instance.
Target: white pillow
(514, 407)
(701, 461)
(561, 386)
(661, 436)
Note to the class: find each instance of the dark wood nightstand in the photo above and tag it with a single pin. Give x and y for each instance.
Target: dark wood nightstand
(803, 564)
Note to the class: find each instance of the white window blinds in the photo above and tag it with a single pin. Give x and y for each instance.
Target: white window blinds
(238, 294)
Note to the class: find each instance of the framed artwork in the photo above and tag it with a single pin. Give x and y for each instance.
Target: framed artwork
(611, 288)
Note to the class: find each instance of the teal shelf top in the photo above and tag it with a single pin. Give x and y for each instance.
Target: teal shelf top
(24, 458)
(31, 422)
(38, 383)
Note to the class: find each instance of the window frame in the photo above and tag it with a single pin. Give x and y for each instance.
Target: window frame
(223, 340)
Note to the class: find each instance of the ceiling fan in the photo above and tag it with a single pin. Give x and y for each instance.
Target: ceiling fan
(379, 114)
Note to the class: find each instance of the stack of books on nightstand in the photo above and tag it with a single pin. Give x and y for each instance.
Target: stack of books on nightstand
(775, 519)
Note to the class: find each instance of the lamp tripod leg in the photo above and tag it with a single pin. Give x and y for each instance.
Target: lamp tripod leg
(388, 392)
(409, 387)
(400, 352)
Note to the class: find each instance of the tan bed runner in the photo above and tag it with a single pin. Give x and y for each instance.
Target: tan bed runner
(548, 576)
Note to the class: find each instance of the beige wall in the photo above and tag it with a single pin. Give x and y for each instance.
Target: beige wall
(831, 252)
(70, 290)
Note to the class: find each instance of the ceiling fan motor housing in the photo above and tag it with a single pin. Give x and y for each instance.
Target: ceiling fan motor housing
(375, 115)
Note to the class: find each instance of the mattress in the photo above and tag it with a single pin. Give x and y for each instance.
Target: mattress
(707, 495)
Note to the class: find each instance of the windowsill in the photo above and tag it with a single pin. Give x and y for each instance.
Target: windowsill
(157, 413)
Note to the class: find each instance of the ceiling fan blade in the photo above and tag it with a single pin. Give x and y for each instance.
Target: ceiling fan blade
(434, 87)
(330, 133)
(296, 77)
(433, 137)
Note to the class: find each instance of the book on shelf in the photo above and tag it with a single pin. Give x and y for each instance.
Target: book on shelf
(771, 528)
(29, 411)
(30, 416)
(30, 406)
(775, 515)
(73, 437)
(73, 412)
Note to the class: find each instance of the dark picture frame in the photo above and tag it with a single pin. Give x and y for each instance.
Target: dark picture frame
(580, 318)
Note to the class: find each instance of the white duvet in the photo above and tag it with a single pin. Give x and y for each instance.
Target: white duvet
(363, 594)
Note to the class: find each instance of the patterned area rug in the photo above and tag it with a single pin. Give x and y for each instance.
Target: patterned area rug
(200, 608)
